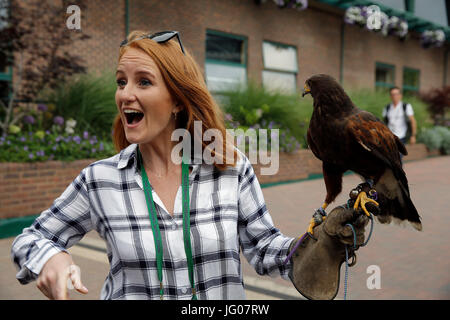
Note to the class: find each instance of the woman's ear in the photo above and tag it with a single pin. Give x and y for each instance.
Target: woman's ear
(177, 108)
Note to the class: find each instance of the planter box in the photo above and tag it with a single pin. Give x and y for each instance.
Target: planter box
(292, 166)
(29, 188)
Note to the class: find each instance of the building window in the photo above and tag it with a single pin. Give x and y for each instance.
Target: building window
(384, 75)
(226, 61)
(411, 80)
(280, 67)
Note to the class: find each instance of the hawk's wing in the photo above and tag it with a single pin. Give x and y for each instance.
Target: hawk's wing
(374, 136)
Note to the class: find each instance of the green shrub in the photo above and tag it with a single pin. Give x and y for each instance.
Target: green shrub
(436, 138)
(254, 106)
(89, 99)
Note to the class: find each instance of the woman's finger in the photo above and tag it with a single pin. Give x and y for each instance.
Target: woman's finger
(75, 277)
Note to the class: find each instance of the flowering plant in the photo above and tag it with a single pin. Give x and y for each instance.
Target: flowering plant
(47, 145)
(397, 27)
(432, 38)
(356, 15)
(295, 4)
(373, 19)
(41, 137)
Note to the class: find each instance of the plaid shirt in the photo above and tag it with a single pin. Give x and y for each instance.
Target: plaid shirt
(228, 213)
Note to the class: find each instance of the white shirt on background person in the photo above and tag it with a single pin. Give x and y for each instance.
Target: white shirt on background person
(396, 116)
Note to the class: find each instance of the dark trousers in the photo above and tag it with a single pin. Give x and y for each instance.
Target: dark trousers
(404, 141)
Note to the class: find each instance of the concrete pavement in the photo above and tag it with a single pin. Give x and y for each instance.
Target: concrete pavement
(413, 265)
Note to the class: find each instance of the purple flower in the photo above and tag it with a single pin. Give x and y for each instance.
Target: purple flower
(77, 139)
(25, 148)
(42, 107)
(40, 153)
(23, 139)
(31, 156)
(85, 135)
(94, 150)
(54, 147)
(228, 117)
(101, 146)
(47, 131)
(58, 120)
(29, 119)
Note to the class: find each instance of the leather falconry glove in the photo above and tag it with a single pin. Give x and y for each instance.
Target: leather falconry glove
(316, 263)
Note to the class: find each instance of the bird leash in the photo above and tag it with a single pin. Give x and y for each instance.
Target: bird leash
(319, 216)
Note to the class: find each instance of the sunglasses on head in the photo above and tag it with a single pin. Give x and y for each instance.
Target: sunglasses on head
(159, 37)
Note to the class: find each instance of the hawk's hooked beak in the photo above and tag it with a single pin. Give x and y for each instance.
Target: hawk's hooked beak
(306, 90)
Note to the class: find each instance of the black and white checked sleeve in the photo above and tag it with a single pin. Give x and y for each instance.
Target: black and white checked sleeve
(54, 230)
(263, 245)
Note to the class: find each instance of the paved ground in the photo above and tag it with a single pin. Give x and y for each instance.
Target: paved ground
(414, 265)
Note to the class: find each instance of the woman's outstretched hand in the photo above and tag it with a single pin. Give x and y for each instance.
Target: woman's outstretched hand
(54, 276)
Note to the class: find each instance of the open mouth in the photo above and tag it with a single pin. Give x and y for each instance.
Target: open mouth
(133, 116)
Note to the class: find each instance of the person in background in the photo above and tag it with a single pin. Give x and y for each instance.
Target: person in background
(399, 117)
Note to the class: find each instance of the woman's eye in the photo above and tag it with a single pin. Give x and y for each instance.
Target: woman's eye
(144, 82)
(121, 82)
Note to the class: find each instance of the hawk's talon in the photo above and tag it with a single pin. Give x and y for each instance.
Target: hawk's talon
(362, 200)
(312, 224)
(318, 217)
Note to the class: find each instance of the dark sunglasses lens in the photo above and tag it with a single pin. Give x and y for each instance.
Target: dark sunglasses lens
(159, 37)
(163, 36)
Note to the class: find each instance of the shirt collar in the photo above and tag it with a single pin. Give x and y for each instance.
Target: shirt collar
(130, 153)
(398, 104)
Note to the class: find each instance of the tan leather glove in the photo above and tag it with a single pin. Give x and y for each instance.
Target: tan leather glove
(316, 263)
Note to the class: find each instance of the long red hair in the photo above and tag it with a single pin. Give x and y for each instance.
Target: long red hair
(186, 84)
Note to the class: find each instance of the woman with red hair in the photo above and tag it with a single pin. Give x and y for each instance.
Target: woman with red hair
(173, 230)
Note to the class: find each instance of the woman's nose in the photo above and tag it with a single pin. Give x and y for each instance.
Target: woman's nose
(127, 94)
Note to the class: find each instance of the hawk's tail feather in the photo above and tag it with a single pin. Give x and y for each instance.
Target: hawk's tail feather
(395, 203)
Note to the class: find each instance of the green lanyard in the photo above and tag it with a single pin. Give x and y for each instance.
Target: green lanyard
(155, 227)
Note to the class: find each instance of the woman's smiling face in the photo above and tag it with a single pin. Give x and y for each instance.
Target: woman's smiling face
(142, 98)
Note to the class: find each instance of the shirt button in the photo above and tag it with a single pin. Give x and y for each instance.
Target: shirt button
(174, 227)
